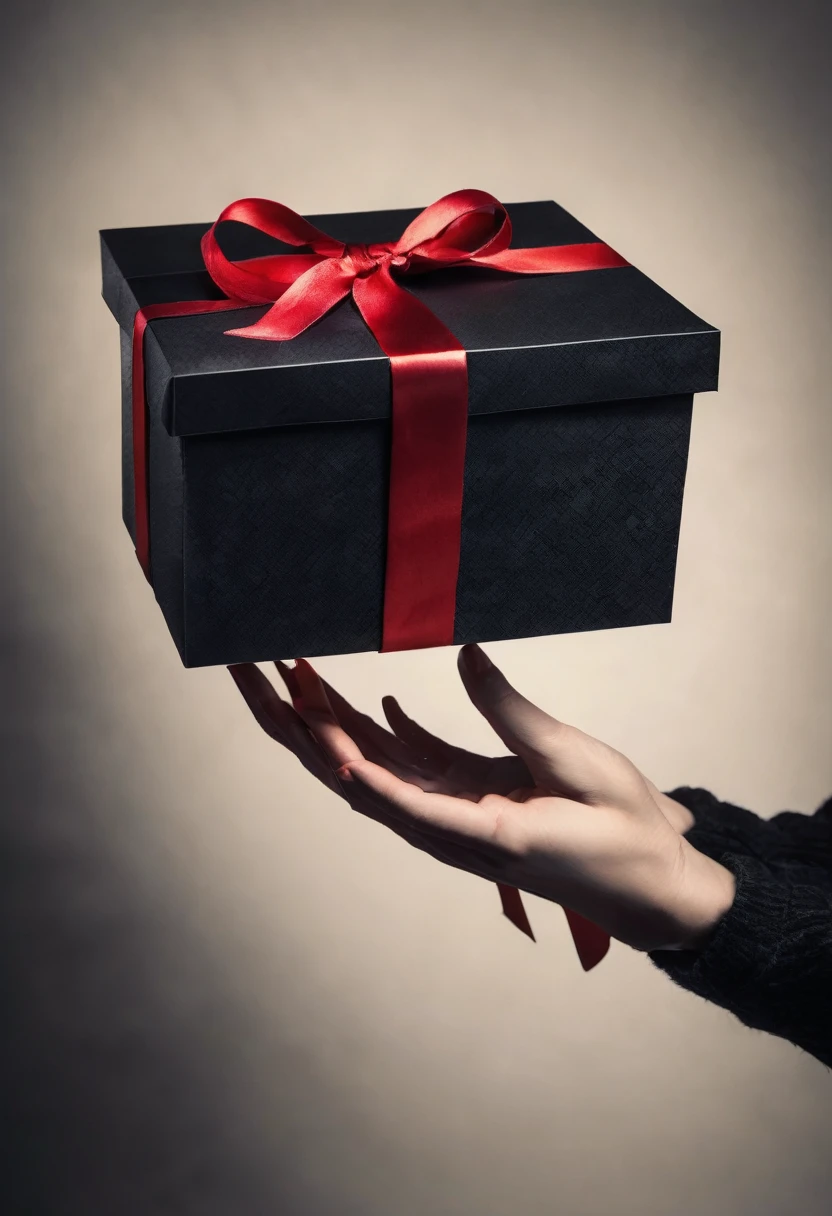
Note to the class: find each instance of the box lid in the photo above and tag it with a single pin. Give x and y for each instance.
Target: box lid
(532, 340)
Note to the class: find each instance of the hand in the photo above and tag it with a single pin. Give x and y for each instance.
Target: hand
(565, 816)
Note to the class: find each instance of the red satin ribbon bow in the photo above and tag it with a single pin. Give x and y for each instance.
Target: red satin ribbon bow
(429, 388)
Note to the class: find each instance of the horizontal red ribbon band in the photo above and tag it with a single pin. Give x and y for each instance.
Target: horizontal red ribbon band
(429, 386)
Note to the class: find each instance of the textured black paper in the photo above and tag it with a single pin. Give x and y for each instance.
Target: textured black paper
(269, 461)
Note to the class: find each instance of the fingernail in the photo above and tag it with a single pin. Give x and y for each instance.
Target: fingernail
(476, 660)
(305, 674)
(290, 681)
(311, 688)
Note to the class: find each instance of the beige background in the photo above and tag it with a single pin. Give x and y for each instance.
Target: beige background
(225, 993)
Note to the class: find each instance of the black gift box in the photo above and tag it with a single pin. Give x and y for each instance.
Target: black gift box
(268, 462)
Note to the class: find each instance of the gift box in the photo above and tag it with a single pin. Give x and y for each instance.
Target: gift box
(335, 491)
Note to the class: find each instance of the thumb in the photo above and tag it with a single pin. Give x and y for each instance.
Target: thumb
(560, 757)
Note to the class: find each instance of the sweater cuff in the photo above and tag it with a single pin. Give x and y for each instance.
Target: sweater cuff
(721, 827)
(739, 951)
(769, 960)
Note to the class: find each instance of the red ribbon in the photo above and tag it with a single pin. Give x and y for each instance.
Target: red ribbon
(429, 382)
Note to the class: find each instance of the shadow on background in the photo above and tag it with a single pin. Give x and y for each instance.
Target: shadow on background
(137, 1077)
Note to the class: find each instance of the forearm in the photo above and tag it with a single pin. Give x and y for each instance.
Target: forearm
(704, 896)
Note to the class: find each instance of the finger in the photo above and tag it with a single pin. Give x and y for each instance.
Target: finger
(276, 717)
(368, 803)
(558, 755)
(261, 698)
(286, 726)
(441, 848)
(461, 854)
(317, 712)
(467, 774)
(283, 724)
(289, 679)
(365, 730)
(439, 813)
(264, 699)
(519, 723)
(523, 793)
(373, 741)
(421, 741)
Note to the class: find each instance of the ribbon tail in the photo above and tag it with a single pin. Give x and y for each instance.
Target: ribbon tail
(401, 324)
(591, 942)
(553, 259)
(309, 298)
(512, 902)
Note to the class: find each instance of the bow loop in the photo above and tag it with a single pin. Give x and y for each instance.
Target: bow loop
(262, 280)
(460, 226)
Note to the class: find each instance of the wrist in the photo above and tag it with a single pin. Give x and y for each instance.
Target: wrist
(705, 896)
(678, 816)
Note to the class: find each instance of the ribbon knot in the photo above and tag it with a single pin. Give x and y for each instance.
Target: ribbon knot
(366, 258)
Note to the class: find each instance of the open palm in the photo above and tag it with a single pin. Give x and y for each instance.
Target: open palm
(324, 730)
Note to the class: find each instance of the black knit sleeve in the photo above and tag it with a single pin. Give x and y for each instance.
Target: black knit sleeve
(805, 839)
(789, 837)
(769, 961)
(721, 827)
